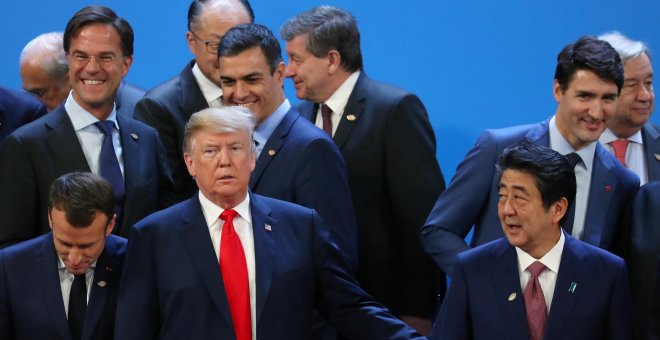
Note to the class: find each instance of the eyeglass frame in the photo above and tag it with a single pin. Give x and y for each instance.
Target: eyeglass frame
(103, 59)
(207, 43)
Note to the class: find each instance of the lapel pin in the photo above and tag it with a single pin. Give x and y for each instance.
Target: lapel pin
(271, 152)
(608, 188)
(571, 287)
(108, 269)
(134, 136)
(268, 227)
(657, 156)
(101, 284)
(512, 296)
(351, 118)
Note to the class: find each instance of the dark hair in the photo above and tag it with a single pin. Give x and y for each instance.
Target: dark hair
(327, 28)
(246, 36)
(197, 8)
(553, 174)
(589, 53)
(100, 15)
(81, 195)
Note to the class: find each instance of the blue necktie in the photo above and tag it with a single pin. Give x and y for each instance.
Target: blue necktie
(109, 166)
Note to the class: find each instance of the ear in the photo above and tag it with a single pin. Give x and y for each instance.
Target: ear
(191, 42)
(334, 61)
(557, 91)
(280, 73)
(50, 221)
(111, 225)
(128, 61)
(189, 164)
(559, 209)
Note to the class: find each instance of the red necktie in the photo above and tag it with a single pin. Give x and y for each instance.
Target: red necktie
(326, 112)
(535, 307)
(620, 146)
(235, 277)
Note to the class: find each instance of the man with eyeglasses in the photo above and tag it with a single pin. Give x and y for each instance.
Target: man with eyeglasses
(85, 134)
(168, 106)
(44, 72)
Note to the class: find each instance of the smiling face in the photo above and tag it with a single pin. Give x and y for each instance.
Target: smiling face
(221, 164)
(310, 74)
(96, 67)
(637, 98)
(584, 108)
(525, 221)
(246, 80)
(79, 247)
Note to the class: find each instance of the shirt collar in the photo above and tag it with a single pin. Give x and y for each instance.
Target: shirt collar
(212, 211)
(608, 136)
(337, 102)
(263, 131)
(210, 90)
(81, 118)
(561, 145)
(551, 259)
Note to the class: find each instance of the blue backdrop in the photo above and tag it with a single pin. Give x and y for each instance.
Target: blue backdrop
(475, 64)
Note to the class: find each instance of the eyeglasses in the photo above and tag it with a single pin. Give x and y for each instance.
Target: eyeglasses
(103, 59)
(211, 46)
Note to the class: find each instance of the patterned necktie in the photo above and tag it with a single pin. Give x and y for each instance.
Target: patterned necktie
(573, 159)
(326, 113)
(535, 306)
(620, 146)
(235, 277)
(109, 166)
(77, 306)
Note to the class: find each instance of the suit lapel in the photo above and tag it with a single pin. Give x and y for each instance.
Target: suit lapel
(651, 138)
(352, 112)
(564, 298)
(63, 143)
(196, 239)
(264, 227)
(600, 196)
(540, 133)
(192, 98)
(130, 144)
(275, 142)
(50, 285)
(105, 277)
(506, 282)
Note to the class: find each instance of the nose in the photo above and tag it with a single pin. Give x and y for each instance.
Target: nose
(92, 65)
(507, 208)
(596, 109)
(242, 91)
(290, 70)
(223, 158)
(75, 256)
(644, 94)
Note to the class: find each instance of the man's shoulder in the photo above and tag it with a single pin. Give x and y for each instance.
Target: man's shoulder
(278, 207)
(484, 253)
(303, 130)
(380, 88)
(24, 251)
(596, 257)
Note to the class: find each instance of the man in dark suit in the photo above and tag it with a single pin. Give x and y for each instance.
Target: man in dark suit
(387, 142)
(17, 109)
(45, 73)
(538, 282)
(629, 135)
(230, 264)
(296, 162)
(99, 46)
(168, 106)
(588, 78)
(63, 285)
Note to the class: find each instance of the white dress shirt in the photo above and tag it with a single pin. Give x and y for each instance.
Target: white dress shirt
(635, 160)
(212, 92)
(583, 172)
(547, 278)
(66, 280)
(91, 137)
(243, 227)
(337, 102)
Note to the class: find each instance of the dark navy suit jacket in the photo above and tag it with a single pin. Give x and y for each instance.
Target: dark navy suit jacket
(479, 305)
(31, 305)
(127, 97)
(172, 287)
(300, 164)
(17, 109)
(651, 138)
(388, 144)
(36, 154)
(167, 108)
(472, 196)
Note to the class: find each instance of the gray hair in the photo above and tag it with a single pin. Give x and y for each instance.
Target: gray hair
(327, 28)
(625, 47)
(218, 120)
(48, 51)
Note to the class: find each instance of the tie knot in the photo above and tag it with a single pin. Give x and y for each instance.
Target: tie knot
(325, 110)
(536, 268)
(228, 215)
(573, 159)
(105, 126)
(620, 146)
